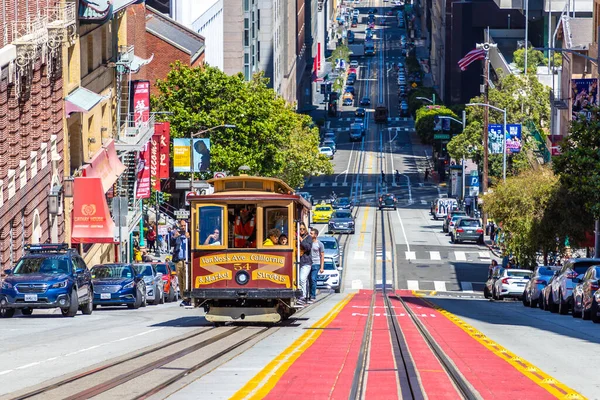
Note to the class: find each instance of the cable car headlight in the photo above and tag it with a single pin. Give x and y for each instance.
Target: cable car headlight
(242, 277)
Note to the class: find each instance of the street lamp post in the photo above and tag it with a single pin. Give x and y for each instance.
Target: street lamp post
(464, 124)
(432, 100)
(194, 135)
(502, 110)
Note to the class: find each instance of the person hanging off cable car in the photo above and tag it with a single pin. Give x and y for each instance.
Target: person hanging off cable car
(243, 231)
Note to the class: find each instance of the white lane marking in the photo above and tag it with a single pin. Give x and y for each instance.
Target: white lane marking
(322, 230)
(423, 201)
(8, 371)
(466, 286)
(484, 254)
(359, 255)
(348, 166)
(357, 284)
(411, 255)
(33, 364)
(435, 255)
(440, 286)
(323, 184)
(380, 281)
(412, 285)
(410, 200)
(403, 230)
(460, 256)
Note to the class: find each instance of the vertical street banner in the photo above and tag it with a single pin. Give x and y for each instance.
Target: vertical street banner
(181, 155)
(495, 138)
(139, 103)
(514, 140)
(201, 155)
(584, 93)
(143, 173)
(159, 154)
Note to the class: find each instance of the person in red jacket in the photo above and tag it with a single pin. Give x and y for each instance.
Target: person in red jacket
(151, 238)
(243, 229)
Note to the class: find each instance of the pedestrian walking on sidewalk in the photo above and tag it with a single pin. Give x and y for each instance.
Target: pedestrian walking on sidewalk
(468, 205)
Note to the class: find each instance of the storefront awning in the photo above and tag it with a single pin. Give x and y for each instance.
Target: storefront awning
(106, 166)
(82, 100)
(92, 222)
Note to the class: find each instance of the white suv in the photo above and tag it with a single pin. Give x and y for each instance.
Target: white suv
(331, 278)
(561, 294)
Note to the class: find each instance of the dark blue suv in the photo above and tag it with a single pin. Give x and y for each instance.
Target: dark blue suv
(47, 276)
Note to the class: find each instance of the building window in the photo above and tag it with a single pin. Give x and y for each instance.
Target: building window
(246, 38)
(258, 51)
(1, 192)
(247, 72)
(105, 52)
(33, 162)
(70, 76)
(11, 247)
(11, 183)
(22, 174)
(53, 149)
(22, 233)
(246, 58)
(246, 5)
(258, 19)
(44, 153)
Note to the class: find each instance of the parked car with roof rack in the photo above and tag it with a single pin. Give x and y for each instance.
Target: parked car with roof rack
(47, 276)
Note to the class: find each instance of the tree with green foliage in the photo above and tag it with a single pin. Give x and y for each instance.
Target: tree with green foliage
(579, 162)
(425, 120)
(341, 52)
(525, 100)
(534, 59)
(269, 137)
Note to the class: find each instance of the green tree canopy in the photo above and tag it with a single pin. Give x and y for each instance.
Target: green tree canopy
(534, 59)
(269, 137)
(579, 161)
(525, 99)
(425, 118)
(414, 104)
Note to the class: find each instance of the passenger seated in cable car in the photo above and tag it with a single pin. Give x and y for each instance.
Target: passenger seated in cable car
(272, 237)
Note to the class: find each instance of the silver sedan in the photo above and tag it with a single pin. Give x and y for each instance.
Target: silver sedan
(154, 283)
(532, 296)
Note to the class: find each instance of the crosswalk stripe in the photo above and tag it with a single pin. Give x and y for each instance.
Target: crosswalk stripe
(423, 201)
(411, 255)
(484, 254)
(323, 184)
(440, 286)
(412, 285)
(466, 286)
(334, 184)
(460, 256)
(435, 255)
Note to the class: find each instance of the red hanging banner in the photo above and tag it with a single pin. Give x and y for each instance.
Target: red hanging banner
(143, 173)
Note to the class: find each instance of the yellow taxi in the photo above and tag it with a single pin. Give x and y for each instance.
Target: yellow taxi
(322, 213)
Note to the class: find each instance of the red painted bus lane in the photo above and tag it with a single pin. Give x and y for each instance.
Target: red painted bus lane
(434, 380)
(326, 368)
(490, 375)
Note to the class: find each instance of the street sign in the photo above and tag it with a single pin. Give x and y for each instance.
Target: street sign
(182, 214)
(441, 136)
(182, 184)
(219, 175)
(414, 85)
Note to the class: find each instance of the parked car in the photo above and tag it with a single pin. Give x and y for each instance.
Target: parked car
(595, 308)
(583, 293)
(322, 213)
(348, 101)
(453, 213)
(169, 280)
(118, 285)
(467, 229)
(349, 89)
(546, 293)
(539, 280)
(561, 295)
(47, 276)
(308, 197)
(342, 203)
(341, 221)
(330, 278)
(330, 143)
(404, 110)
(153, 281)
(359, 112)
(387, 200)
(452, 222)
(328, 134)
(365, 101)
(327, 151)
(510, 283)
(332, 247)
(353, 64)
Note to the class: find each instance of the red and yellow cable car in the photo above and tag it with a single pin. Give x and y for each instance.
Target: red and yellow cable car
(240, 271)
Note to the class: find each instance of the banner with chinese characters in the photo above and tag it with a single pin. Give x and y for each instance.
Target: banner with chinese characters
(159, 155)
(140, 101)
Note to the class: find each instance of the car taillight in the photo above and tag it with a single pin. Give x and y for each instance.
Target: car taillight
(571, 274)
(540, 281)
(505, 281)
(479, 230)
(460, 230)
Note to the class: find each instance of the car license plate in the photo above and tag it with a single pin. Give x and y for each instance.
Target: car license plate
(105, 296)
(31, 297)
(321, 282)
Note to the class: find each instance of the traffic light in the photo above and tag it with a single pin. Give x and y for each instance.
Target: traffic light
(160, 197)
(323, 88)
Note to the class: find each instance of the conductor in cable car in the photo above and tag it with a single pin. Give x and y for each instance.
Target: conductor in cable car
(244, 234)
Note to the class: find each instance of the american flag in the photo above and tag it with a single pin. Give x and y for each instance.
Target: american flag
(473, 55)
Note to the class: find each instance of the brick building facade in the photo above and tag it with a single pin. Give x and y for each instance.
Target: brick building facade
(158, 36)
(31, 128)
